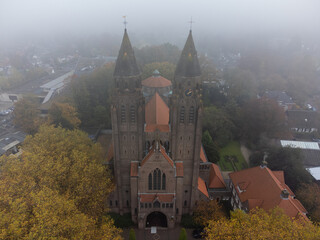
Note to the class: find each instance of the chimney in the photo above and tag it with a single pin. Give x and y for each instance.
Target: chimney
(284, 194)
(264, 163)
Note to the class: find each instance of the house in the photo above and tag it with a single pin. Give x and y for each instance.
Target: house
(281, 98)
(303, 122)
(263, 188)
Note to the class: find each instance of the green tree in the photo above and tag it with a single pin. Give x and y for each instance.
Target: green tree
(92, 97)
(183, 234)
(287, 159)
(132, 234)
(219, 125)
(210, 147)
(309, 195)
(26, 114)
(262, 117)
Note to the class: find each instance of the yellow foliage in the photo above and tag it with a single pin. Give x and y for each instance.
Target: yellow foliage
(56, 190)
(206, 211)
(259, 224)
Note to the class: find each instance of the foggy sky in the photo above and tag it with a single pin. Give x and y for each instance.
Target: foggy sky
(167, 18)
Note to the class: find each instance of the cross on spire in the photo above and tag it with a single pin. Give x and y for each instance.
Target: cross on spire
(125, 22)
(191, 22)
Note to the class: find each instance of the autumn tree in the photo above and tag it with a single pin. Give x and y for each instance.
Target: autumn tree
(206, 211)
(57, 189)
(210, 147)
(26, 114)
(63, 114)
(259, 224)
(309, 195)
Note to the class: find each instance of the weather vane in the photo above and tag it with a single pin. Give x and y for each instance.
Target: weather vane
(125, 22)
(191, 22)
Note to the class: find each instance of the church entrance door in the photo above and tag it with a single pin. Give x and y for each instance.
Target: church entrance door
(156, 219)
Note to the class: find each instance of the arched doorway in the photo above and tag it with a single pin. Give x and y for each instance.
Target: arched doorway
(156, 219)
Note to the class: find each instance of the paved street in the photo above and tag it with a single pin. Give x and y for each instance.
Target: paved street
(163, 234)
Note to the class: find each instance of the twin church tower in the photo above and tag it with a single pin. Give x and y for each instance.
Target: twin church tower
(156, 140)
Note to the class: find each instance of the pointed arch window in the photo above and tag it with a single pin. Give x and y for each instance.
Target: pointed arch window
(157, 180)
(132, 114)
(150, 182)
(163, 181)
(123, 114)
(191, 114)
(182, 111)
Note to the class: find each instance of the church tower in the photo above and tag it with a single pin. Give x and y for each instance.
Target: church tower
(186, 123)
(127, 114)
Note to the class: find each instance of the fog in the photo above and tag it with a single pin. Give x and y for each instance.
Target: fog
(157, 21)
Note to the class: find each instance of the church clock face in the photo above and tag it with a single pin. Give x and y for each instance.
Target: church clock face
(188, 92)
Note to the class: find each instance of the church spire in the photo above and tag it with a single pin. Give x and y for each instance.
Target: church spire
(126, 64)
(188, 65)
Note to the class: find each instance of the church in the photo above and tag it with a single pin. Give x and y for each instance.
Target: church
(160, 168)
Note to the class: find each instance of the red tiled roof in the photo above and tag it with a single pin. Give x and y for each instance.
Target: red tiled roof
(162, 151)
(166, 198)
(179, 169)
(216, 179)
(154, 127)
(134, 169)
(202, 186)
(157, 81)
(157, 114)
(203, 156)
(280, 176)
(262, 185)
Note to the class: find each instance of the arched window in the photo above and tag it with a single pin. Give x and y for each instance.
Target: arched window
(157, 180)
(163, 181)
(132, 114)
(123, 114)
(191, 114)
(182, 114)
(150, 181)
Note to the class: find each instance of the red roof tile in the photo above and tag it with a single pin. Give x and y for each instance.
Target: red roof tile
(156, 82)
(203, 156)
(157, 114)
(134, 169)
(179, 169)
(154, 127)
(280, 176)
(262, 185)
(202, 186)
(149, 198)
(162, 151)
(216, 179)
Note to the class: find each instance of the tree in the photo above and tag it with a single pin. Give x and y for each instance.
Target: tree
(166, 69)
(63, 114)
(219, 125)
(57, 189)
(183, 234)
(91, 95)
(285, 159)
(309, 195)
(132, 234)
(259, 224)
(262, 117)
(26, 114)
(210, 147)
(206, 211)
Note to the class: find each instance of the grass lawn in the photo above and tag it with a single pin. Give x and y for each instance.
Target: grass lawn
(231, 158)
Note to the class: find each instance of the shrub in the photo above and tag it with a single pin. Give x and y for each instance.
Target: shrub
(132, 234)
(123, 221)
(183, 234)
